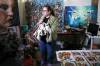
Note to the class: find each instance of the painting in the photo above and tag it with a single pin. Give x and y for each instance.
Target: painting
(76, 16)
(33, 10)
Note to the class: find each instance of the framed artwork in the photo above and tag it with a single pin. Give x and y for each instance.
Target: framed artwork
(80, 13)
(33, 10)
(76, 16)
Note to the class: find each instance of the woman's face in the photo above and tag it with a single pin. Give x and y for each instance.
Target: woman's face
(6, 7)
(45, 12)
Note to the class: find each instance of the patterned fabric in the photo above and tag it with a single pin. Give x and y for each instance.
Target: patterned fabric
(42, 30)
(49, 29)
(8, 43)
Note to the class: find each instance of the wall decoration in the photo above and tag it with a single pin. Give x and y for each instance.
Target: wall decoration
(84, 11)
(77, 16)
(80, 13)
(34, 13)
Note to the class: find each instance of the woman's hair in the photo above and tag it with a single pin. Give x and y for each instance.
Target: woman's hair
(49, 9)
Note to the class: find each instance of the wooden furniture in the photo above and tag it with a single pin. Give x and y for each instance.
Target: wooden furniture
(72, 40)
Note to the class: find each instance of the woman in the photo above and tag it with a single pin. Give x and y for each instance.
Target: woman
(47, 34)
(6, 6)
(8, 42)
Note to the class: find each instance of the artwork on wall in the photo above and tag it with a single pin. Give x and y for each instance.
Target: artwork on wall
(33, 10)
(80, 13)
(74, 13)
(76, 16)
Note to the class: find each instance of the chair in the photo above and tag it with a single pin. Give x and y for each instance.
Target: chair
(92, 31)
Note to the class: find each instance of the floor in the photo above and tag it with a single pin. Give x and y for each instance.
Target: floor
(11, 62)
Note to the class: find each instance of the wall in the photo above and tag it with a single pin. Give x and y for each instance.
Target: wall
(98, 19)
(21, 5)
(77, 3)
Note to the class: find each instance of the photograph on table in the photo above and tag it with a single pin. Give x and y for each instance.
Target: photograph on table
(64, 56)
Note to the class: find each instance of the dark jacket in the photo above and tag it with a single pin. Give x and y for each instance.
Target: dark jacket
(8, 44)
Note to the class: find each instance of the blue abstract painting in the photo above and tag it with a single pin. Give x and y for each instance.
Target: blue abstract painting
(76, 16)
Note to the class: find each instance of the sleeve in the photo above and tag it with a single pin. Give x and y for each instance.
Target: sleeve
(54, 29)
(54, 26)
